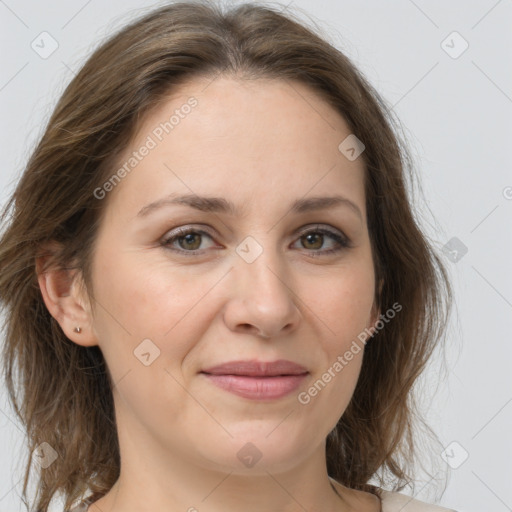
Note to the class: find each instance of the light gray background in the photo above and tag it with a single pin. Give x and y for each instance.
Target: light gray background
(457, 115)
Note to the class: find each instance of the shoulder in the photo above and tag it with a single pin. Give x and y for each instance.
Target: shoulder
(396, 502)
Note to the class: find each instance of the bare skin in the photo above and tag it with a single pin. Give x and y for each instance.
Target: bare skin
(262, 145)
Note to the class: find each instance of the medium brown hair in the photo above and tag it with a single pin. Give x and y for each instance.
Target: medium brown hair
(65, 395)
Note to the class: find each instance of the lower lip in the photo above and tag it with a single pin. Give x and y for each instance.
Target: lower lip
(258, 388)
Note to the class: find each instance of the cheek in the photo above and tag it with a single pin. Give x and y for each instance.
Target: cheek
(138, 301)
(345, 306)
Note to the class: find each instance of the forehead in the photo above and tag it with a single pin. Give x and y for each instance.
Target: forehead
(251, 139)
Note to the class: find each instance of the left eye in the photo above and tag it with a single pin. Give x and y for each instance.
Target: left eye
(189, 240)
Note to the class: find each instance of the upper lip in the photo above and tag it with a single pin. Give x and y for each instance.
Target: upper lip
(254, 368)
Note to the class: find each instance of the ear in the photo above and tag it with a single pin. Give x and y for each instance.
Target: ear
(375, 312)
(64, 296)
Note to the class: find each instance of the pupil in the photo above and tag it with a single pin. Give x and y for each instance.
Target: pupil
(189, 239)
(308, 237)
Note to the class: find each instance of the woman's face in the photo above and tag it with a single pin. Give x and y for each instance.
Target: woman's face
(257, 281)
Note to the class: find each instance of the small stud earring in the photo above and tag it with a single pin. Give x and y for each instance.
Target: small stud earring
(78, 330)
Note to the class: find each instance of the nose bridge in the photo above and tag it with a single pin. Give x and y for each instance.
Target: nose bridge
(263, 280)
(259, 264)
(265, 274)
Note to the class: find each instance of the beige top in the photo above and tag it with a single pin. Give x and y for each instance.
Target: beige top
(397, 502)
(391, 502)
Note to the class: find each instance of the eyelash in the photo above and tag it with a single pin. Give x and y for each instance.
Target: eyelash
(344, 242)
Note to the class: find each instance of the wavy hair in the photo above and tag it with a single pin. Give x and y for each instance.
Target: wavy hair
(61, 391)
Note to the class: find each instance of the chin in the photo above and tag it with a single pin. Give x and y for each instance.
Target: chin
(254, 451)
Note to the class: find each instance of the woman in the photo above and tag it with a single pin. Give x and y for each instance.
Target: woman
(216, 294)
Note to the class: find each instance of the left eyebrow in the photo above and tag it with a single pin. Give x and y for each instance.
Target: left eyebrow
(222, 205)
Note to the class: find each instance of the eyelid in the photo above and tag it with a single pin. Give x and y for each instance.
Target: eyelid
(205, 229)
(323, 227)
(184, 230)
(340, 238)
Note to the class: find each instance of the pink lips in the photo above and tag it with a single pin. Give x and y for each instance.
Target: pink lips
(257, 380)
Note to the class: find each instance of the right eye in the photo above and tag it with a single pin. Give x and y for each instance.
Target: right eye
(187, 238)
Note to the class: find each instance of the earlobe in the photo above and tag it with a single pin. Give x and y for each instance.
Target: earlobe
(381, 285)
(64, 302)
(375, 313)
(375, 317)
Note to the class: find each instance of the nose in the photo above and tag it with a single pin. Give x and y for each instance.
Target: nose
(262, 300)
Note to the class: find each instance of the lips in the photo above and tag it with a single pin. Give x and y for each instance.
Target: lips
(256, 368)
(257, 380)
